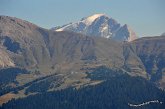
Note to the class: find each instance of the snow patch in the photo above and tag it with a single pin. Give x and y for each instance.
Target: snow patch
(58, 30)
(92, 18)
(104, 28)
(63, 28)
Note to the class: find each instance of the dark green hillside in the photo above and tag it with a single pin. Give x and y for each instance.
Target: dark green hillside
(115, 93)
(8, 76)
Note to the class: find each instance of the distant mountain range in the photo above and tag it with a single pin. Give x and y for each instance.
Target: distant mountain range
(100, 25)
(34, 59)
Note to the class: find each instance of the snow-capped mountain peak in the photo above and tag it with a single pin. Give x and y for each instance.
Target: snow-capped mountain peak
(89, 20)
(100, 25)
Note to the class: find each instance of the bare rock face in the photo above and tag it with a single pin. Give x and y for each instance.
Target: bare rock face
(151, 51)
(163, 34)
(125, 33)
(100, 25)
(23, 41)
(5, 60)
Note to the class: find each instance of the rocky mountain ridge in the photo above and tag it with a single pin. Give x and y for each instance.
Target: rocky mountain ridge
(100, 25)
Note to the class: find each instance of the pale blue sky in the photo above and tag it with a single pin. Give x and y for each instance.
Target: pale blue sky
(146, 17)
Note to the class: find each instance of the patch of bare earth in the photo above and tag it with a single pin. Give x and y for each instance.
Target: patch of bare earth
(5, 98)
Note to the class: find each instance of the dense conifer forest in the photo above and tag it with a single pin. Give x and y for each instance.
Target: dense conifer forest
(114, 93)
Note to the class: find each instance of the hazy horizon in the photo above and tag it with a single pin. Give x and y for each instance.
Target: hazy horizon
(145, 17)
